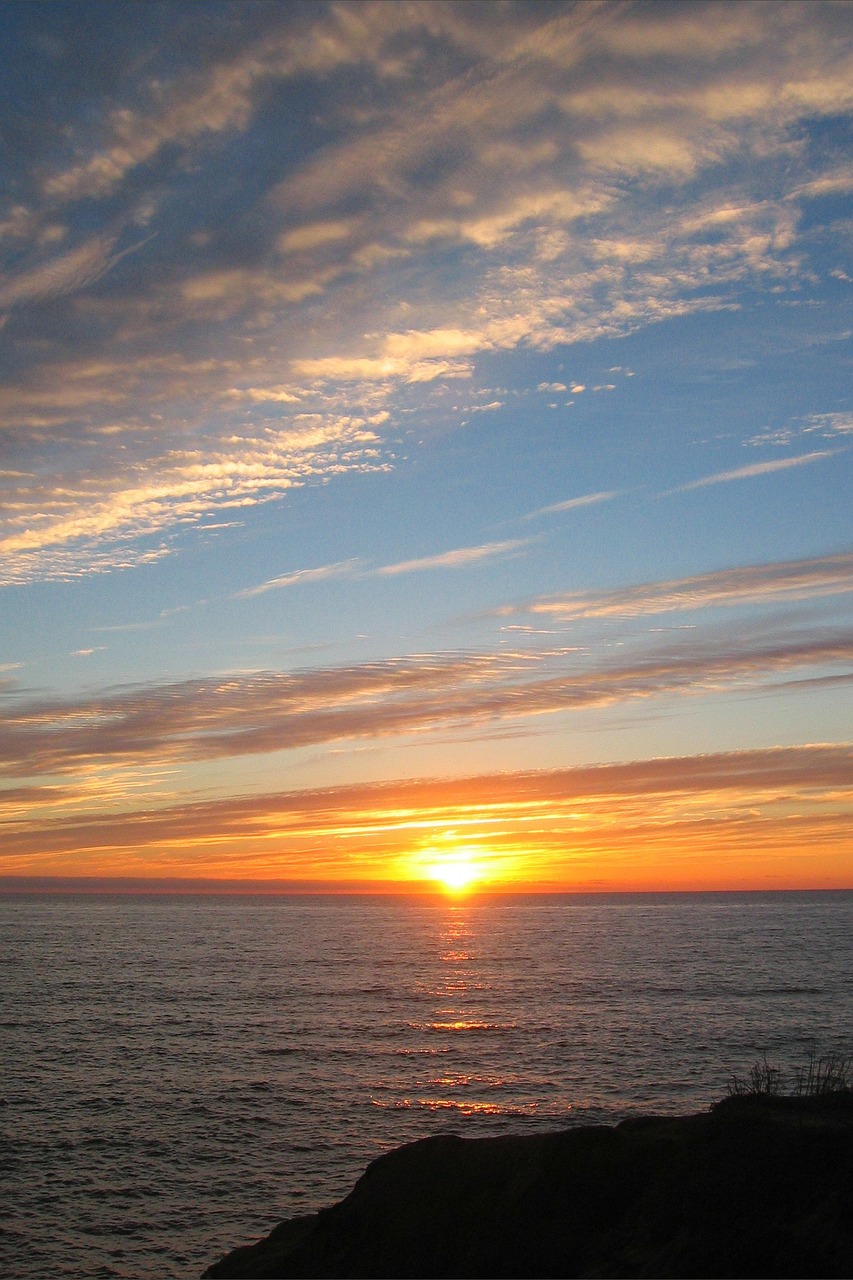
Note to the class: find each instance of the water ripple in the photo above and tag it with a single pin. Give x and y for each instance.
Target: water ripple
(182, 1073)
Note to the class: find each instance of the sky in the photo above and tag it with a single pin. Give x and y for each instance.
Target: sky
(426, 442)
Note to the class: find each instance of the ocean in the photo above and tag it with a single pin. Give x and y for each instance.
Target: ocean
(180, 1073)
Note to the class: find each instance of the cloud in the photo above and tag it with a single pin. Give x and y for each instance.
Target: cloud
(830, 424)
(578, 190)
(298, 577)
(235, 715)
(313, 234)
(87, 524)
(747, 585)
(570, 504)
(491, 407)
(379, 369)
(753, 469)
(218, 99)
(503, 214)
(222, 97)
(529, 821)
(459, 558)
(61, 274)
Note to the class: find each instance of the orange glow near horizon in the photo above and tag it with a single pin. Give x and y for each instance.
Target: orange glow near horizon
(456, 868)
(770, 819)
(458, 872)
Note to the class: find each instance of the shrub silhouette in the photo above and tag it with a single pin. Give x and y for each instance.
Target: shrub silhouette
(821, 1076)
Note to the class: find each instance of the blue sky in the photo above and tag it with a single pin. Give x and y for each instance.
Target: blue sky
(409, 394)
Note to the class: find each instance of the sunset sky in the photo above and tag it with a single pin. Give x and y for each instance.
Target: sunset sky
(427, 438)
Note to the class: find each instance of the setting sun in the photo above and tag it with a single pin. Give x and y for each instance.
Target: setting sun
(457, 872)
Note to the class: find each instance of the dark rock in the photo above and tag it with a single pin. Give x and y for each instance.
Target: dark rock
(755, 1187)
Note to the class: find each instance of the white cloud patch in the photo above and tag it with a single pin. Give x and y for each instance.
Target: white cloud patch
(831, 424)
(827, 425)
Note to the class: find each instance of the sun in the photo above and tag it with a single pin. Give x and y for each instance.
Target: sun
(456, 872)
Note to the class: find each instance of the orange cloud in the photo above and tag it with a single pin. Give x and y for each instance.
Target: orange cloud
(775, 817)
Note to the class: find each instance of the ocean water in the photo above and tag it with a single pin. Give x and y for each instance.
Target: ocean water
(180, 1073)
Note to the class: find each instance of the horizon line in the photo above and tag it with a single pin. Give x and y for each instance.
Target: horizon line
(133, 886)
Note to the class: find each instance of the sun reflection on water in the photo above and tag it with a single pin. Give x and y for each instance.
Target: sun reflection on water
(458, 1061)
(461, 993)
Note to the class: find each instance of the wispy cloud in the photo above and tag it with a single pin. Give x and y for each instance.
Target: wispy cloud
(298, 577)
(220, 717)
(459, 558)
(63, 273)
(744, 585)
(753, 469)
(570, 504)
(218, 99)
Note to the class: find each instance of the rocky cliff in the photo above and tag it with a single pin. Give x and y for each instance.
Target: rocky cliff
(755, 1187)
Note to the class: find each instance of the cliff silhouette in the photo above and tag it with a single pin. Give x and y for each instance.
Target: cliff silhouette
(758, 1186)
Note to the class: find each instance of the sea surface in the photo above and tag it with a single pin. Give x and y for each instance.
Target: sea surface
(180, 1073)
